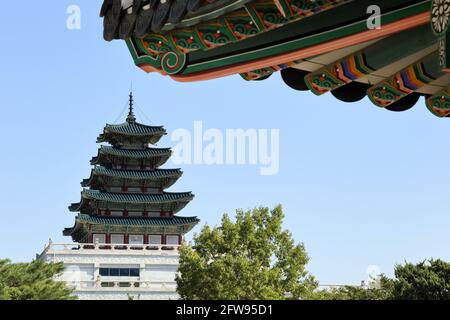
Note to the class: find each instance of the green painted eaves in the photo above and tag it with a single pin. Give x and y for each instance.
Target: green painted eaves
(135, 153)
(134, 129)
(139, 198)
(136, 174)
(137, 221)
(201, 61)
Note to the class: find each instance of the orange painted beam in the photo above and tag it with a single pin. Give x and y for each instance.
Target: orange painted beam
(304, 53)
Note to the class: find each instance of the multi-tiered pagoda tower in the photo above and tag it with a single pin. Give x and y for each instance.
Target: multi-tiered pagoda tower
(124, 200)
(126, 232)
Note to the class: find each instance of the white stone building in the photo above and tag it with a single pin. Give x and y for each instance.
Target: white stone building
(105, 272)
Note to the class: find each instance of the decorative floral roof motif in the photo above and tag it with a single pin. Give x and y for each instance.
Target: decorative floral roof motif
(440, 16)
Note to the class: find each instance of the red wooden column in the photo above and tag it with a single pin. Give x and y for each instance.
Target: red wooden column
(180, 239)
(145, 238)
(125, 239)
(91, 236)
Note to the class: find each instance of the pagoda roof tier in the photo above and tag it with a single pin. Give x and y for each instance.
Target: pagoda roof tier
(135, 153)
(86, 224)
(114, 133)
(91, 199)
(131, 132)
(105, 153)
(164, 177)
(137, 221)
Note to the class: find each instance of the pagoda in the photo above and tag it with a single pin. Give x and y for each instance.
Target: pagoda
(124, 200)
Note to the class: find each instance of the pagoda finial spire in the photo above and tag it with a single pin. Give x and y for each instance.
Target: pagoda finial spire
(131, 118)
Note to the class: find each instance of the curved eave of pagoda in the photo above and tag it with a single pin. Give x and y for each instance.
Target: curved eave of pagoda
(127, 131)
(163, 178)
(78, 232)
(93, 199)
(115, 139)
(137, 221)
(84, 223)
(106, 153)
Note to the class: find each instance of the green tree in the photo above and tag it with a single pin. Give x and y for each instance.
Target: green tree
(251, 258)
(427, 280)
(381, 290)
(32, 281)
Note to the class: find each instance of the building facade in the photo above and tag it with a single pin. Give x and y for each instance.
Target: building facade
(126, 230)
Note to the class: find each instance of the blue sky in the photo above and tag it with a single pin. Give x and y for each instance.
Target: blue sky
(360, 186)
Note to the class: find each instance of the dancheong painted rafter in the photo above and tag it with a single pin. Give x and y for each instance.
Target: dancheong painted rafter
(322, 45)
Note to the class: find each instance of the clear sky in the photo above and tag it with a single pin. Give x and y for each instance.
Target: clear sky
(360, 186)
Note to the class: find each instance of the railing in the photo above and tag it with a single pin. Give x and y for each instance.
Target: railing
(125, 285)
(88, 247)
(337, 286)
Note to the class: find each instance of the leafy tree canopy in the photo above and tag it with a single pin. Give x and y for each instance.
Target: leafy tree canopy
(251, 258)
(427, 280)
(32, 281)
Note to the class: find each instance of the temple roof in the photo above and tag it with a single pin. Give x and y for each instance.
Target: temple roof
(135, 174)
(133, 129)
(131, 198)
(115, 132)
(139, 17)
(175, 224)
(159, 178)
(324, 46)
(133, 153)
(137, 220)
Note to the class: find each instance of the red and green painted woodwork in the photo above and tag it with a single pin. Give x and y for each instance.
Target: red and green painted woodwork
(258, 29)
(102, 177)
(166, 52)
(143, 158)
(126, 189)
(406, 81)
(439, 104)
(127, 132)
(339, 74)
(366, 61)
(440, 16)
(86, 225)
(94, 201)
(264, 73)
